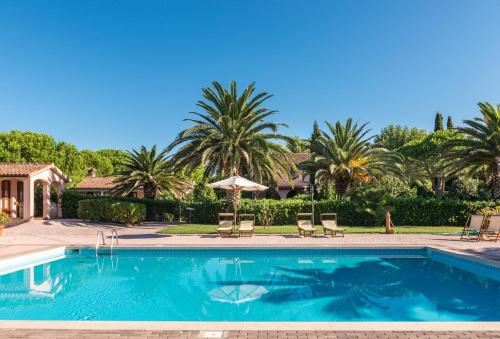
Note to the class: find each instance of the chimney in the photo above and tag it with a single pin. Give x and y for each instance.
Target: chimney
(91, 172)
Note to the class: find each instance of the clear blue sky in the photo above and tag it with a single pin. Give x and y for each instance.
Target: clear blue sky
(119, 74)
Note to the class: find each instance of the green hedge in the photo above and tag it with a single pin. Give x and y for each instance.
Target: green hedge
(155, 209)
(435, 212)
(109, 210)
(69, 203)
(407, 211)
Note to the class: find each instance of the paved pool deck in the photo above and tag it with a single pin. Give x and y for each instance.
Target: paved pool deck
(39, 235)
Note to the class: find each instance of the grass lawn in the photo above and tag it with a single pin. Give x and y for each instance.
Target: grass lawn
(292, 229)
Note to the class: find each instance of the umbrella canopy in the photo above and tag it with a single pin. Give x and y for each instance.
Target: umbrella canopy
(238, 183)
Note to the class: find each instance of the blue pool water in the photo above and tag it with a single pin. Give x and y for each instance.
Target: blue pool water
(253, 285)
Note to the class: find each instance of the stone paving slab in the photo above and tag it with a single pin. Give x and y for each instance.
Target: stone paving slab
(127, 334)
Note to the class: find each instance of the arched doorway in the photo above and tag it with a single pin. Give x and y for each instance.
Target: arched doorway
(55, 200)
(6, 189)
(38, 199)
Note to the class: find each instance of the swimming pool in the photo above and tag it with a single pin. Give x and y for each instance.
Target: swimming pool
(278, 284)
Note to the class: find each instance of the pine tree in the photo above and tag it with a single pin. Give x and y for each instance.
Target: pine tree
(438, 122)
(449, 123)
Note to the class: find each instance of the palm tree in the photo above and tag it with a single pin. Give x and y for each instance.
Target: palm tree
(297, 145)
(345, 155)
(150, 171)
(479, 147)
(231, 137)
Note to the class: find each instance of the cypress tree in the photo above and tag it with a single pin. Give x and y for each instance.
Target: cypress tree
(449, 123)
(316, 133)
(438, 122)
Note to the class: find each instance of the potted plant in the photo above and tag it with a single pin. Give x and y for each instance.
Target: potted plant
(4, 219)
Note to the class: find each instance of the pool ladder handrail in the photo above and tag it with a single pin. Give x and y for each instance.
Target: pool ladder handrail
(114, 236)
(100, 235)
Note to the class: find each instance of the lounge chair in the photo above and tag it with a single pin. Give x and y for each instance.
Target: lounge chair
(329, 223)
(247, 224)
(473, 226)
(493, 231)
(226, 224)
(305, 225)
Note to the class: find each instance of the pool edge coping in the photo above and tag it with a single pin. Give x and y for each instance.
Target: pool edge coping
(249, 326)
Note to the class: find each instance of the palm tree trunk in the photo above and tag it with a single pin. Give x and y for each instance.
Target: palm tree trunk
(235, 199)
(341, 186)
(438, 185)
(496, 179)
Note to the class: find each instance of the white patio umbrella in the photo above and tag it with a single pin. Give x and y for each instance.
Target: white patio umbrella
(237, 184)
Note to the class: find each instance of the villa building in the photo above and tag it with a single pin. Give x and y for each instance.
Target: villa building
(100, 186)
(27, 189)
(299, 184)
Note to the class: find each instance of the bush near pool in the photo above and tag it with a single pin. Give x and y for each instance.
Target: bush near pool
(108, 210)
(155, 209)
(406, 211)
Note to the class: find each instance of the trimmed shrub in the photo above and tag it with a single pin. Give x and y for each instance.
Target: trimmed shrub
(168, 217)
(69, 203)
(108, 210)
(155, 209)
(405, 211)
(434, 212)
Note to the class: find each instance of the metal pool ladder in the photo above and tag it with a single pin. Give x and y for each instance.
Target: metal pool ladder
(100, 236)
(114, 236)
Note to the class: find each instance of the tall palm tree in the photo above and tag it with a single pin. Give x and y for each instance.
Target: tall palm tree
(150, 171)
(345, 155)
(231, 137)
(479, 148)
(297, 145)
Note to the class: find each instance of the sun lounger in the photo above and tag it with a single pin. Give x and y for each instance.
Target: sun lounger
(329, 223)
(493, 230)
(226, 224)
(473, 226)
(304, 223)
(247, 224)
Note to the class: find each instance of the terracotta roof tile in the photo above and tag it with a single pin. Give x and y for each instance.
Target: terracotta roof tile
(299, 180)
(21, 169)
(96, 183)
